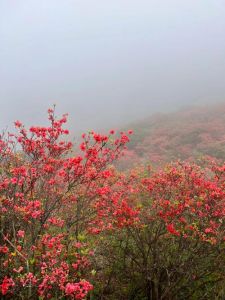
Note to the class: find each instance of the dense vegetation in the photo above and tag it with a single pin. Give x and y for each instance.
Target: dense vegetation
(73, 227)
(190, 133)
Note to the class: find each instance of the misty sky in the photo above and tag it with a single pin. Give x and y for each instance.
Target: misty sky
(108, 61)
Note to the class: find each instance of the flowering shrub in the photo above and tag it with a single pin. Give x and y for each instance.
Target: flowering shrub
(189, 199)
(176, 249)
(71, 225)
(49, 199)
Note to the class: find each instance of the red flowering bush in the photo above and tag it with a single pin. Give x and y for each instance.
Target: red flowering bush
(190, 200)
(71, 223)
(50, 198)
(176, 249)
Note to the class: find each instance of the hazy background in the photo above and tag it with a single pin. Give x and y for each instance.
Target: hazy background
(108, 62)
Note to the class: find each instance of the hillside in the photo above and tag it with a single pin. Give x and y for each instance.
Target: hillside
(189, 133)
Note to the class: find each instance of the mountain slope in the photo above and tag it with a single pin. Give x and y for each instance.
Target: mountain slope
(190, 133)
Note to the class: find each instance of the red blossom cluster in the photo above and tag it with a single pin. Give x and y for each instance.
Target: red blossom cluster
(189, 199)
(49, 198)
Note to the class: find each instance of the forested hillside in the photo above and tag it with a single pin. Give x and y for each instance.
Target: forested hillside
(189, 133)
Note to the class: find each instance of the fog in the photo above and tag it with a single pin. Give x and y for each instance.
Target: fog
(108, 63)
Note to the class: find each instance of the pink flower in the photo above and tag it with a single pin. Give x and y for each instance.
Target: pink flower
(79, 289)
(82, 147)
(208, 230)
(6, 285)
(4, 249)
(172, 230)
(70, 288)
(20, 233)
(18, 124)
(14, 180)
(78, 245)
(66, 131)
